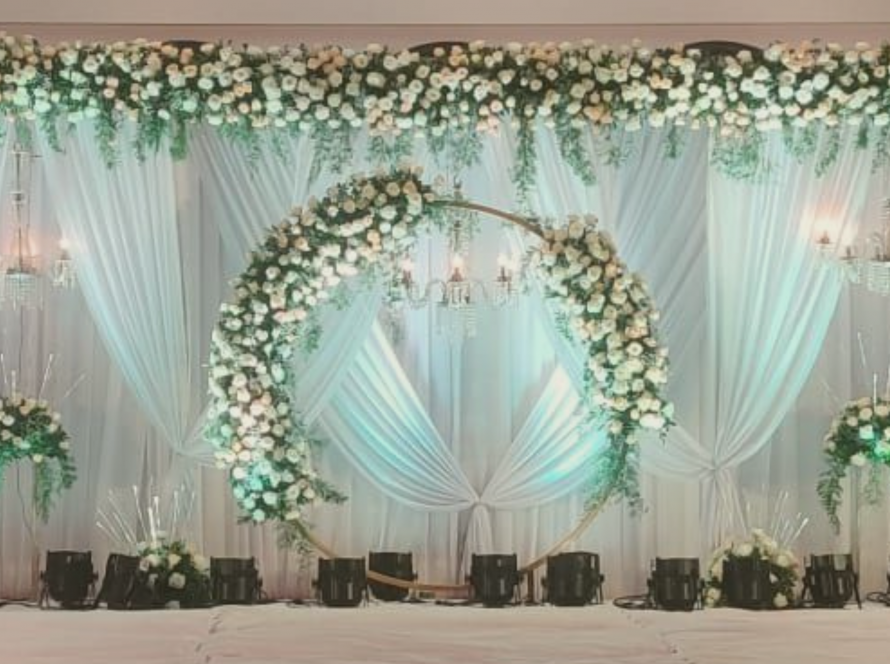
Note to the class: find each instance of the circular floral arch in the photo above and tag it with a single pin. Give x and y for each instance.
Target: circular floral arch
(366, 224)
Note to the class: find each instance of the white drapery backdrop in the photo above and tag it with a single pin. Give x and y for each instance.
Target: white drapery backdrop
(494, 477)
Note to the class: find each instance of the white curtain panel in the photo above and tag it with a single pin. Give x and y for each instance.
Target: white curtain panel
(113, 444)
(770, 302)
(252, 190)
(122, 223)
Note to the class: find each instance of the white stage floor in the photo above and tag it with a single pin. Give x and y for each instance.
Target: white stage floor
(431, 634)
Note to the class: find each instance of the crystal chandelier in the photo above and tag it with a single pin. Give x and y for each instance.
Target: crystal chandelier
(21, 279)
(457, 295)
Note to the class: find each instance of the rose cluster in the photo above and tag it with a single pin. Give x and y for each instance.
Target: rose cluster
(257, 432)
(612, 314)
(166, 86)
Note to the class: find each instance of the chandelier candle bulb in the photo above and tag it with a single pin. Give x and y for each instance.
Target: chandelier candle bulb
(504, 268)
(457, 265)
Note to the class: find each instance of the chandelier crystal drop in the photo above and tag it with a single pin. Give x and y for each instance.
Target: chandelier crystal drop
(22, 282)
(457, 295)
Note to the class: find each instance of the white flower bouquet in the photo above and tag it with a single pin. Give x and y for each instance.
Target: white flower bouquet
(29, 430)
(174, 572)
(859, 437)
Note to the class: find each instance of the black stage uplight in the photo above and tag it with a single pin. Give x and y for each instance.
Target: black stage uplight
(68, 579)
(746, 583)
(120, 581)
(341, 582)
(234, 581)
(675, 584)
(831, 581)
(494, 579)
(574, 579)
(395, 564)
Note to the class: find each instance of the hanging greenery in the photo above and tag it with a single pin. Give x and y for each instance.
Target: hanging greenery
(449, 96)
(30, 431)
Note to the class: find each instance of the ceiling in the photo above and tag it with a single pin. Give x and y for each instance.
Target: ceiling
(406, 22)
(414, 12)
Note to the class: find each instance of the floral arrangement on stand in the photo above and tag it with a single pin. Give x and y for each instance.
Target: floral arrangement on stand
(859, 437)
(451, 94)
(784, 568)
(175, 573)
(366, 224)
(29, 430)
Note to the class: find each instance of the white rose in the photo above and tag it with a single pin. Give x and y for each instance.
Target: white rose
(200, 562)
(865, 414)
(576, 229)
(858, 459)
(780, 601)
(743, 550)
(782, 560)
(652, 421)
(173, 559)
(176, 581)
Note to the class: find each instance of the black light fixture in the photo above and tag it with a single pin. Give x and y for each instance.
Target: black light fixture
(341, 582)
(746, 583)
(494, 579)
(395, 564)
(831, 581)
(68, 579)
(574, 579)
(675, 584)
(235, 581)
(120, 581)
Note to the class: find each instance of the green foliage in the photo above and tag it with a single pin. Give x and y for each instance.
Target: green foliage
(741, 157)
(390, 152)
(831, 491)
(674, 142)
(571, 146)
(456, 148)
(525, 169)
(333, 150)
(828, 151)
